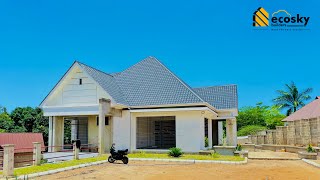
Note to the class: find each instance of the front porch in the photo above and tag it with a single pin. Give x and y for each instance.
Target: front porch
(143, 129)
(64, 129)
(157, 130)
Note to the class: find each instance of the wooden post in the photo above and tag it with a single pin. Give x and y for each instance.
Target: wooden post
(8, 160)
(75, 150)
(36, 153)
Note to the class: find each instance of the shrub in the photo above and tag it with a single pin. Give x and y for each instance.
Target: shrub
(175, 152)
(310, 149)
(250, 130)
(206, 142)
(239, 147)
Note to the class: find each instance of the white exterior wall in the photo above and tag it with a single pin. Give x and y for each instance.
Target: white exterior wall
(70, 98)
(189, 129)
(121, 130)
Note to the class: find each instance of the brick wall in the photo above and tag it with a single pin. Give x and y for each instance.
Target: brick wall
(291, 133)
(301, 132)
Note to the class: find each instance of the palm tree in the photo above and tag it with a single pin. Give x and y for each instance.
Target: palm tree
(291, 99)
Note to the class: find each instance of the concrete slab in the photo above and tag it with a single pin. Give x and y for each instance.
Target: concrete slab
(66, 156)
(270, 155)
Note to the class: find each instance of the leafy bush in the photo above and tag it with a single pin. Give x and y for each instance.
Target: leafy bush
(239, 147)
(310, 149)
(175, 152)
(206, 142)
(250, 130)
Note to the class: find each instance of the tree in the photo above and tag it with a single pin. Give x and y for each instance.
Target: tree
(260, 116)
(273, 117)
(251, 116)
(291, 99)
(6, 123)
(27, 119)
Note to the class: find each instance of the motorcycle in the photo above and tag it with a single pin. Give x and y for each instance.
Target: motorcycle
(119, 155)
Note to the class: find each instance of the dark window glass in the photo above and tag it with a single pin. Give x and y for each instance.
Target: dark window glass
(106, 121)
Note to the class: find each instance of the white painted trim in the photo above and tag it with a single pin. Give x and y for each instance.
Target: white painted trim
(70, 111)
(173, 109)
(71, 106)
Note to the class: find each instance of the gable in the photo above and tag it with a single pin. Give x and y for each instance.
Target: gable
(69, 91)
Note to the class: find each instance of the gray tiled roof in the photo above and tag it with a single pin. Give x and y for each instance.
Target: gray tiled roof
(149, 82)
(220, 97)
(107, 82)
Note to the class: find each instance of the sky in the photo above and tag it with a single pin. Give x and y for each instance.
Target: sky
(204, 43)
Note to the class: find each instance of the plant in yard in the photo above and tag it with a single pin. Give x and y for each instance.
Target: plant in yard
(239, 147)
(310, 149)
(175, 152)
(206, 141)
(215, 155)
(292, 99)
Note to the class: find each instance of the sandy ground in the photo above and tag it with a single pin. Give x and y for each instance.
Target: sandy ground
(255, 169)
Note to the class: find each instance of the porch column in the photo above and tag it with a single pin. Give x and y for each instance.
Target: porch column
(231, 127)
(210, 132)
(104, 108)
(220, 132)
(57, 133)
(50, 142)
(74, 129)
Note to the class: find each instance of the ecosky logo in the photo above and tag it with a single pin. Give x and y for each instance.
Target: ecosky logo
(279, 19)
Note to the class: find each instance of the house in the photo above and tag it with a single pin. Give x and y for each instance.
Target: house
(23, 146)
(145, 107)
(303, 126)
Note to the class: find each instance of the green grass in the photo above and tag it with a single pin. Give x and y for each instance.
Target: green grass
(47, 167)
(215, 157)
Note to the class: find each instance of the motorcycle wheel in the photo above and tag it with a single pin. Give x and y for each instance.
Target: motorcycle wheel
(110, 159)
(125, 160)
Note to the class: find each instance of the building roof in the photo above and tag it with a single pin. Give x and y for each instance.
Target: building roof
(311, 110)
(23, 142)
(150, 83)
(220, 97)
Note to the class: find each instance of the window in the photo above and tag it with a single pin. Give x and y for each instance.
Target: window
(106, 121)
(80, 81)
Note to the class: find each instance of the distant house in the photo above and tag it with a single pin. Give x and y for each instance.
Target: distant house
(143, 107)
(304, 125)
(23, 145)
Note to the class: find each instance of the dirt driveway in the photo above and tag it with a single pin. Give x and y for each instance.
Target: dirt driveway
(255, 169)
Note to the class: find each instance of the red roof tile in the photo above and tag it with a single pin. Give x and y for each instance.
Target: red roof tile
(311, 110)
(23, 142)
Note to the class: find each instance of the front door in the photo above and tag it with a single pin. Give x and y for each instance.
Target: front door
(215, 134)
